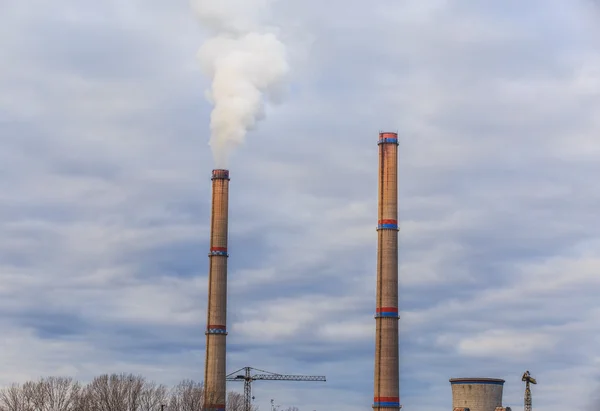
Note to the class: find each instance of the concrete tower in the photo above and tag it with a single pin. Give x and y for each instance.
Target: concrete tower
(387, 387)
(216, 331)
(477, 394)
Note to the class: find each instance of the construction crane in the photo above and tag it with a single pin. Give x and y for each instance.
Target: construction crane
(248, 377)
(528, 379)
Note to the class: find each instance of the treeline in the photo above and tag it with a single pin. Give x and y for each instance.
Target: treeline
(116, 392)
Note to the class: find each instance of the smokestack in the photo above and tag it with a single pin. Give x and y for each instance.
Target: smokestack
(387, 387)
(216, 330)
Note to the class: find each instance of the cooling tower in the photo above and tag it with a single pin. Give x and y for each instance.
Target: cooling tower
(216, 331)
(477, 394)
(387, 389)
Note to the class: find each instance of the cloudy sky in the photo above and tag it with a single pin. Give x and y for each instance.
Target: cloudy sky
(105, 196)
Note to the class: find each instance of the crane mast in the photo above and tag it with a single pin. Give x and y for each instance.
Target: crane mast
(248, 377)
(528, 379)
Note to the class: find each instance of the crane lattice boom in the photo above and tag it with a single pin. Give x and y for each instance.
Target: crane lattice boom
(247, 377)
(528, 379)
(284, 377)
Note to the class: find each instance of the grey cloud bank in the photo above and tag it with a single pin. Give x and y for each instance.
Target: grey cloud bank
(106, 197)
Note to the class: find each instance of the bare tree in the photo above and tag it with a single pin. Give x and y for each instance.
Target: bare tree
(152, 397)
(292, 409)
(52, 394)
(63, 393)
(235, 401)
(12, 399)
(188, 395)
(116, 392)
(33, 395)
(85, 401)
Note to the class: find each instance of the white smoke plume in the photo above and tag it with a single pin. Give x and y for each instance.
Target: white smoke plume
(247, 64)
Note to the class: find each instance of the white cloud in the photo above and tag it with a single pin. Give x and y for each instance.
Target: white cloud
(505, 343)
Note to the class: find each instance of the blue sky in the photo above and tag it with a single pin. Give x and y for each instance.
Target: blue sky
(105, 197)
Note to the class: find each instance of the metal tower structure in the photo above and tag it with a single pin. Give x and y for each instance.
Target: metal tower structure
(248, 377)
(528, 379)
(387, 385)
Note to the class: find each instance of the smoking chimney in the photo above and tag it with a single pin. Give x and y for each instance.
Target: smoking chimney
(216, 331)
(387, 389)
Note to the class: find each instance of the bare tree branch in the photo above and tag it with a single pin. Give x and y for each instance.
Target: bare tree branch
(12, 399)
(188, 395)
(152, 397)
(235, 401)
(116, 392)
(57, 394)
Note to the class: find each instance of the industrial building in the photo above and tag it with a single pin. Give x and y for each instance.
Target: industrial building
(477, 394)
(468, 394)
